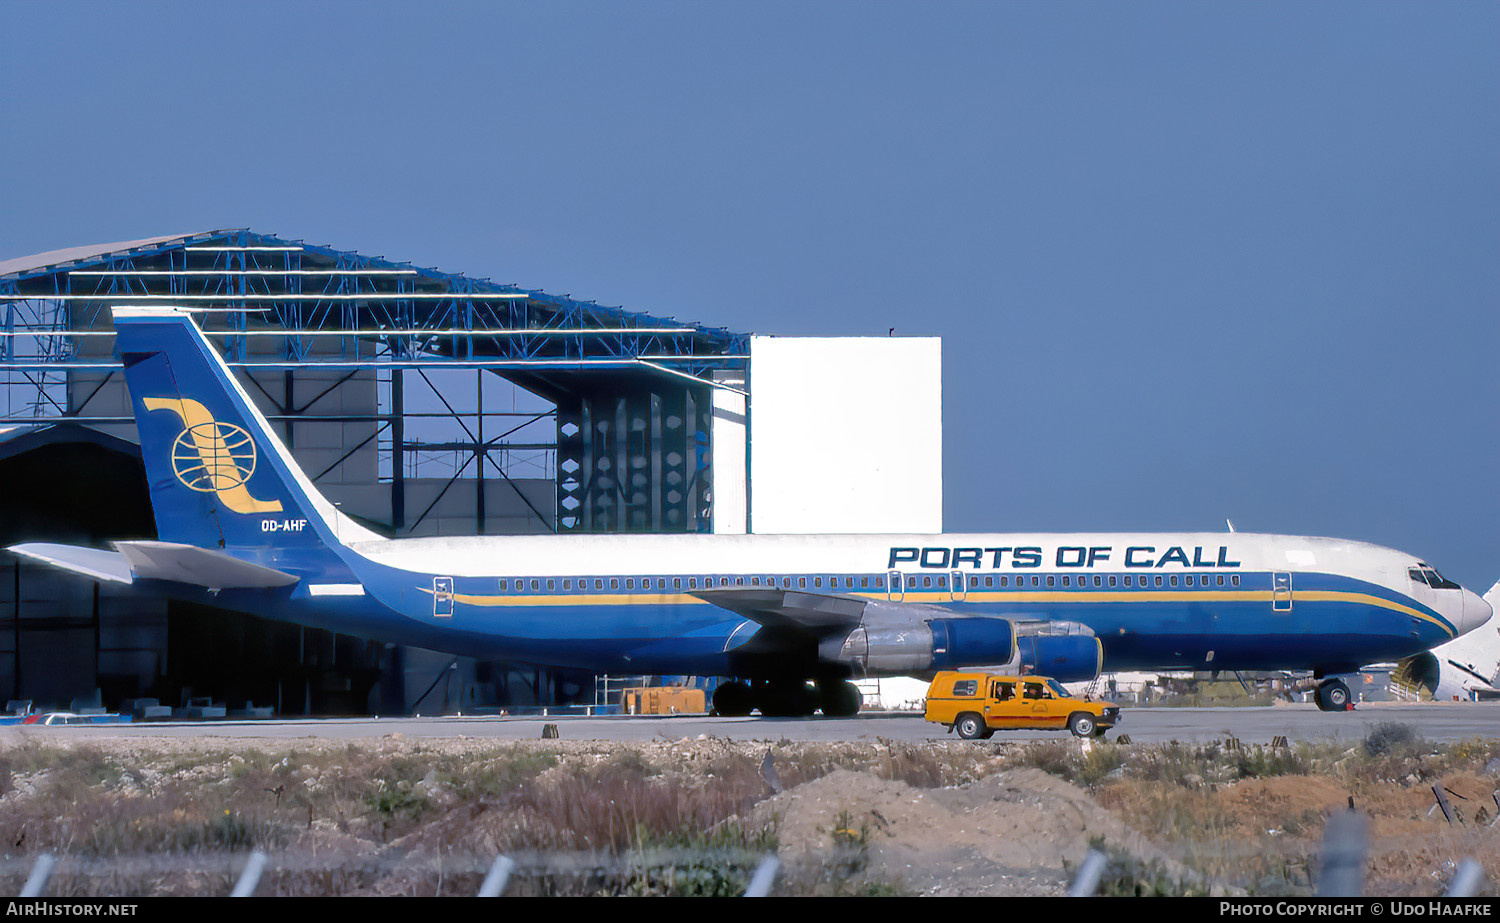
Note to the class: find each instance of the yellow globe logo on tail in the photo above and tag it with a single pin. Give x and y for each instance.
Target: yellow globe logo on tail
(213, 457)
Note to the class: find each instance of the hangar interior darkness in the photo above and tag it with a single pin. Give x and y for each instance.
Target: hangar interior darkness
(421, 402)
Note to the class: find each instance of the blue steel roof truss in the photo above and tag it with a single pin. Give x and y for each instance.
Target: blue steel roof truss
(256, 289)
(238, 276)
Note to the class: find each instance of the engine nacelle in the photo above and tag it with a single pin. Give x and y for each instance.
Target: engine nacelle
(1065, 658)
(896, 640)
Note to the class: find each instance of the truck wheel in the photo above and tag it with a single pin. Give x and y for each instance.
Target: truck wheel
(970, 726)
(1081, 724)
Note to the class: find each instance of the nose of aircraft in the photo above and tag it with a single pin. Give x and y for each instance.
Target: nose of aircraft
(1475, 612)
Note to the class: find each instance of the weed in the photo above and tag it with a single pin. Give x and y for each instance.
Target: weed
(1125, 875)
(1391, 738)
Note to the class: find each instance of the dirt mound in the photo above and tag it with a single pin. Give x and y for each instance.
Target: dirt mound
(1015, 833)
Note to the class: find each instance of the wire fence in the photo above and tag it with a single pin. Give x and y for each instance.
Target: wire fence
(1341, 869)
(242, 875)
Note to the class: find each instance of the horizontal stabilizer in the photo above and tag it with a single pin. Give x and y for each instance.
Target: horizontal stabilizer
(94, 563)
(198, 566)
(156, 561)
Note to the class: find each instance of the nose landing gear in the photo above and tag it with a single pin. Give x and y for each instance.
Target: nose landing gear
(1333, 695)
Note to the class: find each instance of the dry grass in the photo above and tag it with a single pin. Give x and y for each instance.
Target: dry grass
(398, 817)
(412, 818)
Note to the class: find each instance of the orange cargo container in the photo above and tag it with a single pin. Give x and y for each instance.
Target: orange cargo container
(664, 700)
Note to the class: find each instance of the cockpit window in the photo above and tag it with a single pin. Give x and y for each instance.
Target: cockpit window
(1424, 574)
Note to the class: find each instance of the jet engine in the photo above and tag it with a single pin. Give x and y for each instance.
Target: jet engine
(1065, 658)
(900, 640)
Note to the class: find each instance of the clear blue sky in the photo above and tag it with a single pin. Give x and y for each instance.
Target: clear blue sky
(1189, 260)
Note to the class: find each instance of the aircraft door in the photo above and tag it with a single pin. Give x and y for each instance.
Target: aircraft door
(893, 586)
(1281, 592)
(959, 587)
(442, 597)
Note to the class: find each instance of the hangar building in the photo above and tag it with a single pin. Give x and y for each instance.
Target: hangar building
(421, 402)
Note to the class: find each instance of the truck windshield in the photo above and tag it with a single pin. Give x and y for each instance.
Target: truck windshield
(1057, 689)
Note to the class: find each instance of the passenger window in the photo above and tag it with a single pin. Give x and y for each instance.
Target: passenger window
(966, 687)
(1049, 580)
(1111, 580)
(536, 584)
(1033, 691)
(1235, 579)
(1005, 691)
(502, 585)
(1174, 580)
(551, 585)
(1158, 579)
(1220, 580)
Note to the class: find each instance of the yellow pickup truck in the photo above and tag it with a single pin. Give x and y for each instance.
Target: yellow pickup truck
(979, 704)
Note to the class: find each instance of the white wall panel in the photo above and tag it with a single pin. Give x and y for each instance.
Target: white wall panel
(846, 435)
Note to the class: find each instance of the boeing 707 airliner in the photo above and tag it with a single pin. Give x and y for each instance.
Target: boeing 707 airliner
(785, 620)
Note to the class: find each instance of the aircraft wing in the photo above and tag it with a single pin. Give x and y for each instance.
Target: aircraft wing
(817, 614)
(145, 560)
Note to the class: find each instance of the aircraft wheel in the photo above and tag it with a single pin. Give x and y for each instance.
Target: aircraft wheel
(839, 699)
(970, 726)
(793, 700)
(733, 700)
(1081, 724)
(1333, 696)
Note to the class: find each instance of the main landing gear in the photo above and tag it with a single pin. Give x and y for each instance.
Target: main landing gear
(834, 698)
(1333, 695)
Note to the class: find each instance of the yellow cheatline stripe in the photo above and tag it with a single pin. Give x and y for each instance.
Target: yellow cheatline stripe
(1330, 596)
(675, 599)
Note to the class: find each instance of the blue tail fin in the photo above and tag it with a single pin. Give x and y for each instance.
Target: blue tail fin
(218, 474)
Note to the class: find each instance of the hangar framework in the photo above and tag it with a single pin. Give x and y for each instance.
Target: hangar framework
(391, 385)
